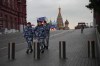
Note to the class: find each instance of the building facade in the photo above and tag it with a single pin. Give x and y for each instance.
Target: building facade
(12, 15)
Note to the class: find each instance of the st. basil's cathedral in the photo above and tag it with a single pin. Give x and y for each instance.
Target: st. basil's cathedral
(60, 24)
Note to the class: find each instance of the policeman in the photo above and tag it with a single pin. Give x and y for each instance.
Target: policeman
(40, 33)
(28, 35)
(82, 28)
(47, 28)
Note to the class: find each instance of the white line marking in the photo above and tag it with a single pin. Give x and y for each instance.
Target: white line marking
(21, 43)
(3, 48)
(16, 44)
(58, 34)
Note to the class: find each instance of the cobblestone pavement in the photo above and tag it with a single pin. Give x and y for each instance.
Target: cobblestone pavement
(76, 52)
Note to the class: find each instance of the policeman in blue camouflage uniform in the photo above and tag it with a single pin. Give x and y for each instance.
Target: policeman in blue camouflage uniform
(40, 33)
(47, 28)
(28, 35)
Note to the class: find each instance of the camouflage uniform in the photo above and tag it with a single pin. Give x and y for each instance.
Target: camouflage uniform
(28, 34)
(40, 35)
(47, 28)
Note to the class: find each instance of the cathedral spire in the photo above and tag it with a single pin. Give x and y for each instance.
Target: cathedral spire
(59, 9)
(59, 13)
(59, 20)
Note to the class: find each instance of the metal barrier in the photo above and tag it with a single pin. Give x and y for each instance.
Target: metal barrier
(62, 49)
(91, 49)
(36, 50)
(11, 51)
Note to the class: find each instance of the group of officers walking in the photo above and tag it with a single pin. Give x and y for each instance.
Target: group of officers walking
(40, 33)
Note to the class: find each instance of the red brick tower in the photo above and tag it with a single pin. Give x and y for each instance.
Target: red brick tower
(60, 24)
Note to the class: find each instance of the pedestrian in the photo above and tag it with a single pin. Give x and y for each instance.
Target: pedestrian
(82, 28)
(40, 33)
(47, 28)
(28, 35)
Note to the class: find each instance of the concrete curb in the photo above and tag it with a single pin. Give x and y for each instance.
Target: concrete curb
(98, 45)
(98, 36)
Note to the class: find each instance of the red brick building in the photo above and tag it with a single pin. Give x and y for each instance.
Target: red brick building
(12, 15)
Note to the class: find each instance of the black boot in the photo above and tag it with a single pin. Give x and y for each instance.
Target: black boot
(42, 51)
(31, 50)
(27, 51)
(46, 47)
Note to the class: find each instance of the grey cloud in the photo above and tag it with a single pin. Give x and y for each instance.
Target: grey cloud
(73, 10)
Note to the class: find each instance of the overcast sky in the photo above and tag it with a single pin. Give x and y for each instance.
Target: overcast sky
(72, 10)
